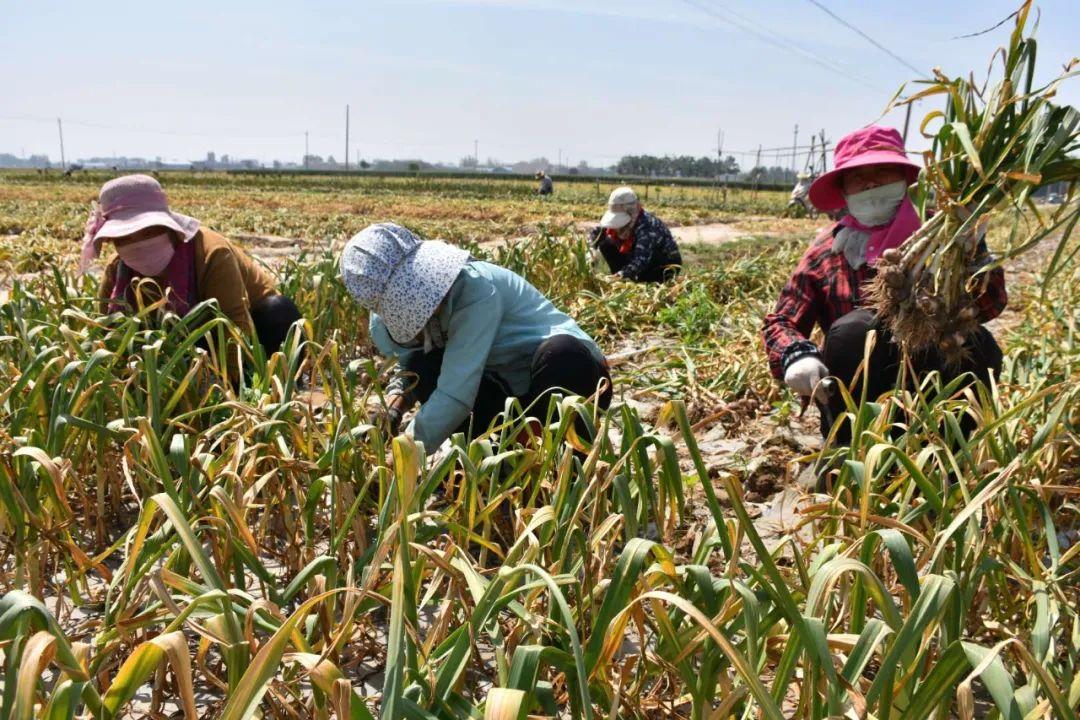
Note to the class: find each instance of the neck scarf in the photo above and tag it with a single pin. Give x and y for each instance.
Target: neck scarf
(875, 241)
(178, 282)
(623, 245)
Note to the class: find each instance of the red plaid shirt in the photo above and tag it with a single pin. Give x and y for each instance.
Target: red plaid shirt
(823, 289)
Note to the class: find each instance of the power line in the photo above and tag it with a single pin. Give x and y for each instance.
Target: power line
(764, 34)
(866, 37)
(778, 148)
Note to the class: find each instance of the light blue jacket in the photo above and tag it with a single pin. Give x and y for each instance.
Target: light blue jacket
(492, 319)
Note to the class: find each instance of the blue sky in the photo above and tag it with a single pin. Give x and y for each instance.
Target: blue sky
(596, 78)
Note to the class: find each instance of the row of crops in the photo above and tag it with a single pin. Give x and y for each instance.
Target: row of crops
(318, 209)
(171, 545)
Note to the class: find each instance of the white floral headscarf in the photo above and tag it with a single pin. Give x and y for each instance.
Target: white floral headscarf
(402, 278)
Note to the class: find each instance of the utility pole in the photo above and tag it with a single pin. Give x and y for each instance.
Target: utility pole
(476, 152)
(306, 153)
(720, 152)
(907, 121)
(560, 159)
(794, 148)
(719, 161)
(346, 138)
(756, 170)
(60, 127)
(824, 153)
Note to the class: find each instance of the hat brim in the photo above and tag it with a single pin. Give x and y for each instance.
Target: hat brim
(825, 192)
(615, 220)
(123, 223)
(417, 286)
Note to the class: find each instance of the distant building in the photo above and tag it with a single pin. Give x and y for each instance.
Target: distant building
(212, 162)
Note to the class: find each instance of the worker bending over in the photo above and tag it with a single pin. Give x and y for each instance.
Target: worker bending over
(467, 335)
(636, 244)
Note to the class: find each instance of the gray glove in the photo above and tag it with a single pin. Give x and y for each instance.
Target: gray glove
(804, 374)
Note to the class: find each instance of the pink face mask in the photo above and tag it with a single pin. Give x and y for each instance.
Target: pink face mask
(148, 257)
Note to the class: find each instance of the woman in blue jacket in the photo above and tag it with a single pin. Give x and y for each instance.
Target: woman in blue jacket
(467, 334)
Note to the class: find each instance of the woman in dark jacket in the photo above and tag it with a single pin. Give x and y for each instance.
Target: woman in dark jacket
(636, 244)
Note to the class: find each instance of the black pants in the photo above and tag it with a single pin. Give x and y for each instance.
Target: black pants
(560, 363)
(660, 271)
(843, 353)
(272, 318)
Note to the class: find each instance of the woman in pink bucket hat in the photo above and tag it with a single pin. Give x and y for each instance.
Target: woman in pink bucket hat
(190, 263)
(869, 183)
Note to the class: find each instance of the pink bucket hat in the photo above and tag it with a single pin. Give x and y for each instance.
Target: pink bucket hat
(871, 145)
(127, 205)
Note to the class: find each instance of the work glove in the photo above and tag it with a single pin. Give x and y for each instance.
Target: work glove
(387, 419)
(804, 374)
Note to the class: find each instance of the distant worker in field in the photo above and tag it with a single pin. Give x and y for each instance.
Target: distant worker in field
(467, 335)
(635, 243)
(546, 186)
(189, 263)
(799, 204)
(871, 178)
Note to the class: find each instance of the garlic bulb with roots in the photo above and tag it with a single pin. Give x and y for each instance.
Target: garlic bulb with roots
(995, 146)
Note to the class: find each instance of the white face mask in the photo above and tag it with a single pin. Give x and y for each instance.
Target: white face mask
(148, 257)
(877, 206)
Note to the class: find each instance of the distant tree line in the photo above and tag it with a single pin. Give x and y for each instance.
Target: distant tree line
(8, 160)
(775, 175)
(681, 166)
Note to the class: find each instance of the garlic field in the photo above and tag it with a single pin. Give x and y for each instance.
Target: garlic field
(172, 545)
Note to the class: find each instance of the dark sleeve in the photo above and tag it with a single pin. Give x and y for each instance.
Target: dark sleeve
(786, 330)
(646, 241)
(596, 235)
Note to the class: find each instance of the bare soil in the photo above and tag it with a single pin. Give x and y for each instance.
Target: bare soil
(1023, 272)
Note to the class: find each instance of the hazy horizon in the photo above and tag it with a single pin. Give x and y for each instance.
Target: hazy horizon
(427, 78)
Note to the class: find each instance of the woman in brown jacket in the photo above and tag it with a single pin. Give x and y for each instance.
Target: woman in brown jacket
(190, 263)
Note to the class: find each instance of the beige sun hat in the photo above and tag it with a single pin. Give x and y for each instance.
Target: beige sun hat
(621, 205)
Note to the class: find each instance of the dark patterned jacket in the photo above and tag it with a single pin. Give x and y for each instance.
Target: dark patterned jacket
(823, 289)
(653, 246)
